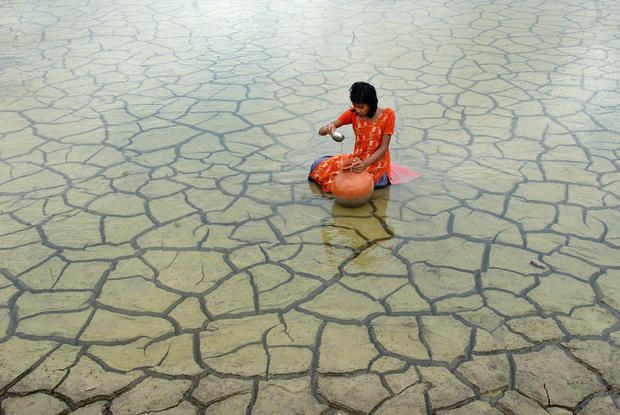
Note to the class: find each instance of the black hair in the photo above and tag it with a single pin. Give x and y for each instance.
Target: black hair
(364, 93)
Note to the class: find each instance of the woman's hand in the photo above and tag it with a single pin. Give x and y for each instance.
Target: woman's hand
(358, 165)
(327, 129)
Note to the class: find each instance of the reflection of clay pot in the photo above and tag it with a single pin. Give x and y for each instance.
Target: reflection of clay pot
(352, 189)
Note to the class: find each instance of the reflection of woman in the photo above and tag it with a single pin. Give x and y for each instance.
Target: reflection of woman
(346, 230)
(373, 128)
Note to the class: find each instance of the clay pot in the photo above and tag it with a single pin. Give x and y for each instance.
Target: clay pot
(352, 189)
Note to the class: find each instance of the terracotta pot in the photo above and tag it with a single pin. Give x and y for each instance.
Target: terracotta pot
(352, 189)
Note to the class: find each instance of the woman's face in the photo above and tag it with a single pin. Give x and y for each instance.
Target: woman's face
(361, 109)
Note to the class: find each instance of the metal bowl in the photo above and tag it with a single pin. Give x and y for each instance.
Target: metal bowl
(337, 137)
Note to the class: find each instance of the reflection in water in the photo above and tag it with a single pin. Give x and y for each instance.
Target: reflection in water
(315, 189)
(358, 227)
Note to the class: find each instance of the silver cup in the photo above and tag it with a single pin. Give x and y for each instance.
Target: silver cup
(337, 137)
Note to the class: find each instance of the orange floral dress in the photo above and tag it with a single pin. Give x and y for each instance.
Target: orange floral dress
(368, 136)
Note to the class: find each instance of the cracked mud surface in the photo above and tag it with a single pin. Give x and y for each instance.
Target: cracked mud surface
(161, 251)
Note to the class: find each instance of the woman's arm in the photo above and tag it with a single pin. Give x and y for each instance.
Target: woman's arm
(331, 127)
(359, 166)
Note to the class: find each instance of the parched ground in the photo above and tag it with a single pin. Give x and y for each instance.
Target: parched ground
(161, 251)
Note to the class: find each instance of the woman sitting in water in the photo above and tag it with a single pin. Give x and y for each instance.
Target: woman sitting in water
(373, 128)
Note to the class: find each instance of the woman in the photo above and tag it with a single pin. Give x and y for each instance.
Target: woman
(373, 128)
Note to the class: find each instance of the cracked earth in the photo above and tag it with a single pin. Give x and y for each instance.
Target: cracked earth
(161, 251)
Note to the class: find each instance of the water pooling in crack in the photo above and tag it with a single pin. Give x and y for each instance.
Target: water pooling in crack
(157, 231)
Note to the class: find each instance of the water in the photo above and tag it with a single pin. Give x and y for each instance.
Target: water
(157, 231)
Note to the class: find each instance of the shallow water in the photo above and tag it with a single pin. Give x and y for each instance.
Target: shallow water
(161, 250)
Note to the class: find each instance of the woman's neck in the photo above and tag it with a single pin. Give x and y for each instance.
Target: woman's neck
(375, 116)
